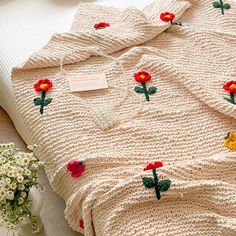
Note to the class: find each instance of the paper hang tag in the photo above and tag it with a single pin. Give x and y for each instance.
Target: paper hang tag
(86, 82)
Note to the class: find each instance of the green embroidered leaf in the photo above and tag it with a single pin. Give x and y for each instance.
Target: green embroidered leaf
(148, 182)
(47, 101)
(37, 101)
(216, 5)
(152, 90)
(164, 185)
(231, 101)
(138, 90)
(227, 6)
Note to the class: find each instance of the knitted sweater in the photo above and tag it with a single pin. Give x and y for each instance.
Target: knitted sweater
(183, 125)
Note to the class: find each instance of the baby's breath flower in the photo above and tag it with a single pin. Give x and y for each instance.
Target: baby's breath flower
(7, 180)
(9, 168)
(20, 200)
(20, 178)
(7, 186)
(2, 193)
(3, 201)
(6, 165)
(23, 194)
(15, 169)
(3, 159)
(10, 195)
(18, 173)
(10, 173)
(35, 166)
(6, 153)
(20, 170)
(25, 161)
(13, 186)
(36, 180)
(27, 172)
(17, 157)
(4, 170)
(21, 186)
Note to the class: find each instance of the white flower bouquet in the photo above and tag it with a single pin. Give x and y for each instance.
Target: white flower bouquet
(18, 174)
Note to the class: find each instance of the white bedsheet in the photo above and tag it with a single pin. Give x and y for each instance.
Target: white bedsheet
(25, 27)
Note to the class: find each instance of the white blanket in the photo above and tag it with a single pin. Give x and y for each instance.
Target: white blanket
(26, 25)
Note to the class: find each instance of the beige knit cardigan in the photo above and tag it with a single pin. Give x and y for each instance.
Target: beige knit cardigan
(183, 125)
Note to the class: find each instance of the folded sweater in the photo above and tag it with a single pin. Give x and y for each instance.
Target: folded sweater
(116, 132)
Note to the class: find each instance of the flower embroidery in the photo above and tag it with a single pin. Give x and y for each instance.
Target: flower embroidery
(231, 88)
(142, 77)
(101, 25)
(167, 16)
(222, 6)
(150, 182)
(76, 168)
(42, 86)
(230, 141)
(81, 224)
(156, 164)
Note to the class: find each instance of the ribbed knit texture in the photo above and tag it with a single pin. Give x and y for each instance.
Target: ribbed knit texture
(183, 125)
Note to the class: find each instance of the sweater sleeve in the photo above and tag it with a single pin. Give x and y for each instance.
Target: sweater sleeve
(129, 27)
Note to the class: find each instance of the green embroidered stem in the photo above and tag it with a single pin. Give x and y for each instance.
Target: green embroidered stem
(43, 95)
(171, 22)
(232, 98)
(145, 91)
(222, 7)
(42, 102)
(158, 195)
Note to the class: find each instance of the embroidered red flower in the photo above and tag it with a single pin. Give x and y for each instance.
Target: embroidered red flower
(156, 164)
(81, 224)
(76, 168)
(231, 88)
(142, 76)
(101, 25)
(43, 85)
(167, 16)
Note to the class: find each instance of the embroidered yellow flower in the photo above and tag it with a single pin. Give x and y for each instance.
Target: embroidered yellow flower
(230, 141)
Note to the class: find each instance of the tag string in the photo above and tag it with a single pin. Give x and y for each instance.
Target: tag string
(126, 90)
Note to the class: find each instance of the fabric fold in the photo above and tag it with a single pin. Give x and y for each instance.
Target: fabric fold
(191, 181)
(131, 27)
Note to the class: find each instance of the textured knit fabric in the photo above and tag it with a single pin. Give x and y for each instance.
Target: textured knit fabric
(183, 125)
